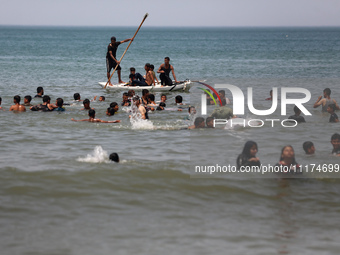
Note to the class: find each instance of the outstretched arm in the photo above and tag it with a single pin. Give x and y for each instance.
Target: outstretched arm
(126, 40)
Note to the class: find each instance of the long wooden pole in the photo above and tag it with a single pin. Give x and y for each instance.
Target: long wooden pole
(145, 16)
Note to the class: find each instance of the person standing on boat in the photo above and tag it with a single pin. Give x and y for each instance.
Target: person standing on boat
(164, 71)
(111, 60)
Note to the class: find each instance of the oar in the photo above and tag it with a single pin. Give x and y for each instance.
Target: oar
(145, 16)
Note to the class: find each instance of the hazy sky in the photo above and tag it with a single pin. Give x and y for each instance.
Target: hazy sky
(171, 12)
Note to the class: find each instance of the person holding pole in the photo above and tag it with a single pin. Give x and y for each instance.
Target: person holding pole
(111, 60)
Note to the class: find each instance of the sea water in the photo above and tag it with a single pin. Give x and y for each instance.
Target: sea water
(61, 195)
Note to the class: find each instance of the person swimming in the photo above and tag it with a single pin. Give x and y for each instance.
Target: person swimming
(248, 156)
(114, 157)
(287, 161)
(308, 147)
(92, 118)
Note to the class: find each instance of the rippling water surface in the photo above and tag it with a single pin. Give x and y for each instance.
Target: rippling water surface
(60, 195)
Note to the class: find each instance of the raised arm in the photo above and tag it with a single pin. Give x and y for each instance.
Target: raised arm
(318, 102)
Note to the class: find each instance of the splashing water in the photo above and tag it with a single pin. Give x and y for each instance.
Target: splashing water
(136, 119)
(98, 156)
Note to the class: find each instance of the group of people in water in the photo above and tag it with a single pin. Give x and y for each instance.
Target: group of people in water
(287, 159)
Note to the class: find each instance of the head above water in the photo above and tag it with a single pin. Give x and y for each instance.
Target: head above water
(114, 157)
(92, 113)
(28, 99)
(249, 147)
(178, 99)
(287, 152)
(40, 90)
(327, 91)
(199, 122)
(46, 99)
(308, 147)
(16, 99)
(60, 102)
(76, 96)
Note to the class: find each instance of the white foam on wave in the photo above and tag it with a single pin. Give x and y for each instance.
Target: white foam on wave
(98, 156)
(137, 122)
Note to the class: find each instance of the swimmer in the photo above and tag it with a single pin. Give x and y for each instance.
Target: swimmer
(143, 111)
(296, 116)
(331, 110)
(151, 100)
(198, 123)
(86, 104)
(40, 92)
(46, 106)
(101, 99)
(335, 141)
(110, 111)
(59, 105)
(179, 100)
(324, 102)
(114, 157)
(17, 107)
(287, 160)
(126, 101)
(115, 106)
(92, 118)
(308, 147)
(76, 97)
(224, 99)
(163, 98)
(131, 94)
(161, 106)
(27, 100)
(248, 155)
(209, 122)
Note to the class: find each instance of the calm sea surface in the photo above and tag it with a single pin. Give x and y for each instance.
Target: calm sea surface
(59, 194)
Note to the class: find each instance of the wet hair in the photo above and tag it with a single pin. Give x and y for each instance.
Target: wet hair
(167, 58)
(307, 145)
(29, 98)
(152, 97)
(222, 92)
(111, 111)
(335, 136)
(126, 94)
(76, 96)
(113, 38)
(163, 95)
(132, 69)
(92, 113)
(281, 158)
(131, 92)
(17, 99)
(145, 91)
(179, 99)
(46, 99)
(209, 119)
(332, 106)
(86, 101)
(39, 89)
(113, 104)
(327, 91)
(60, 102)
(102, 98)
(247, 146)
(297, 110)
(114, 157)
(161, 104)
(198, 121)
